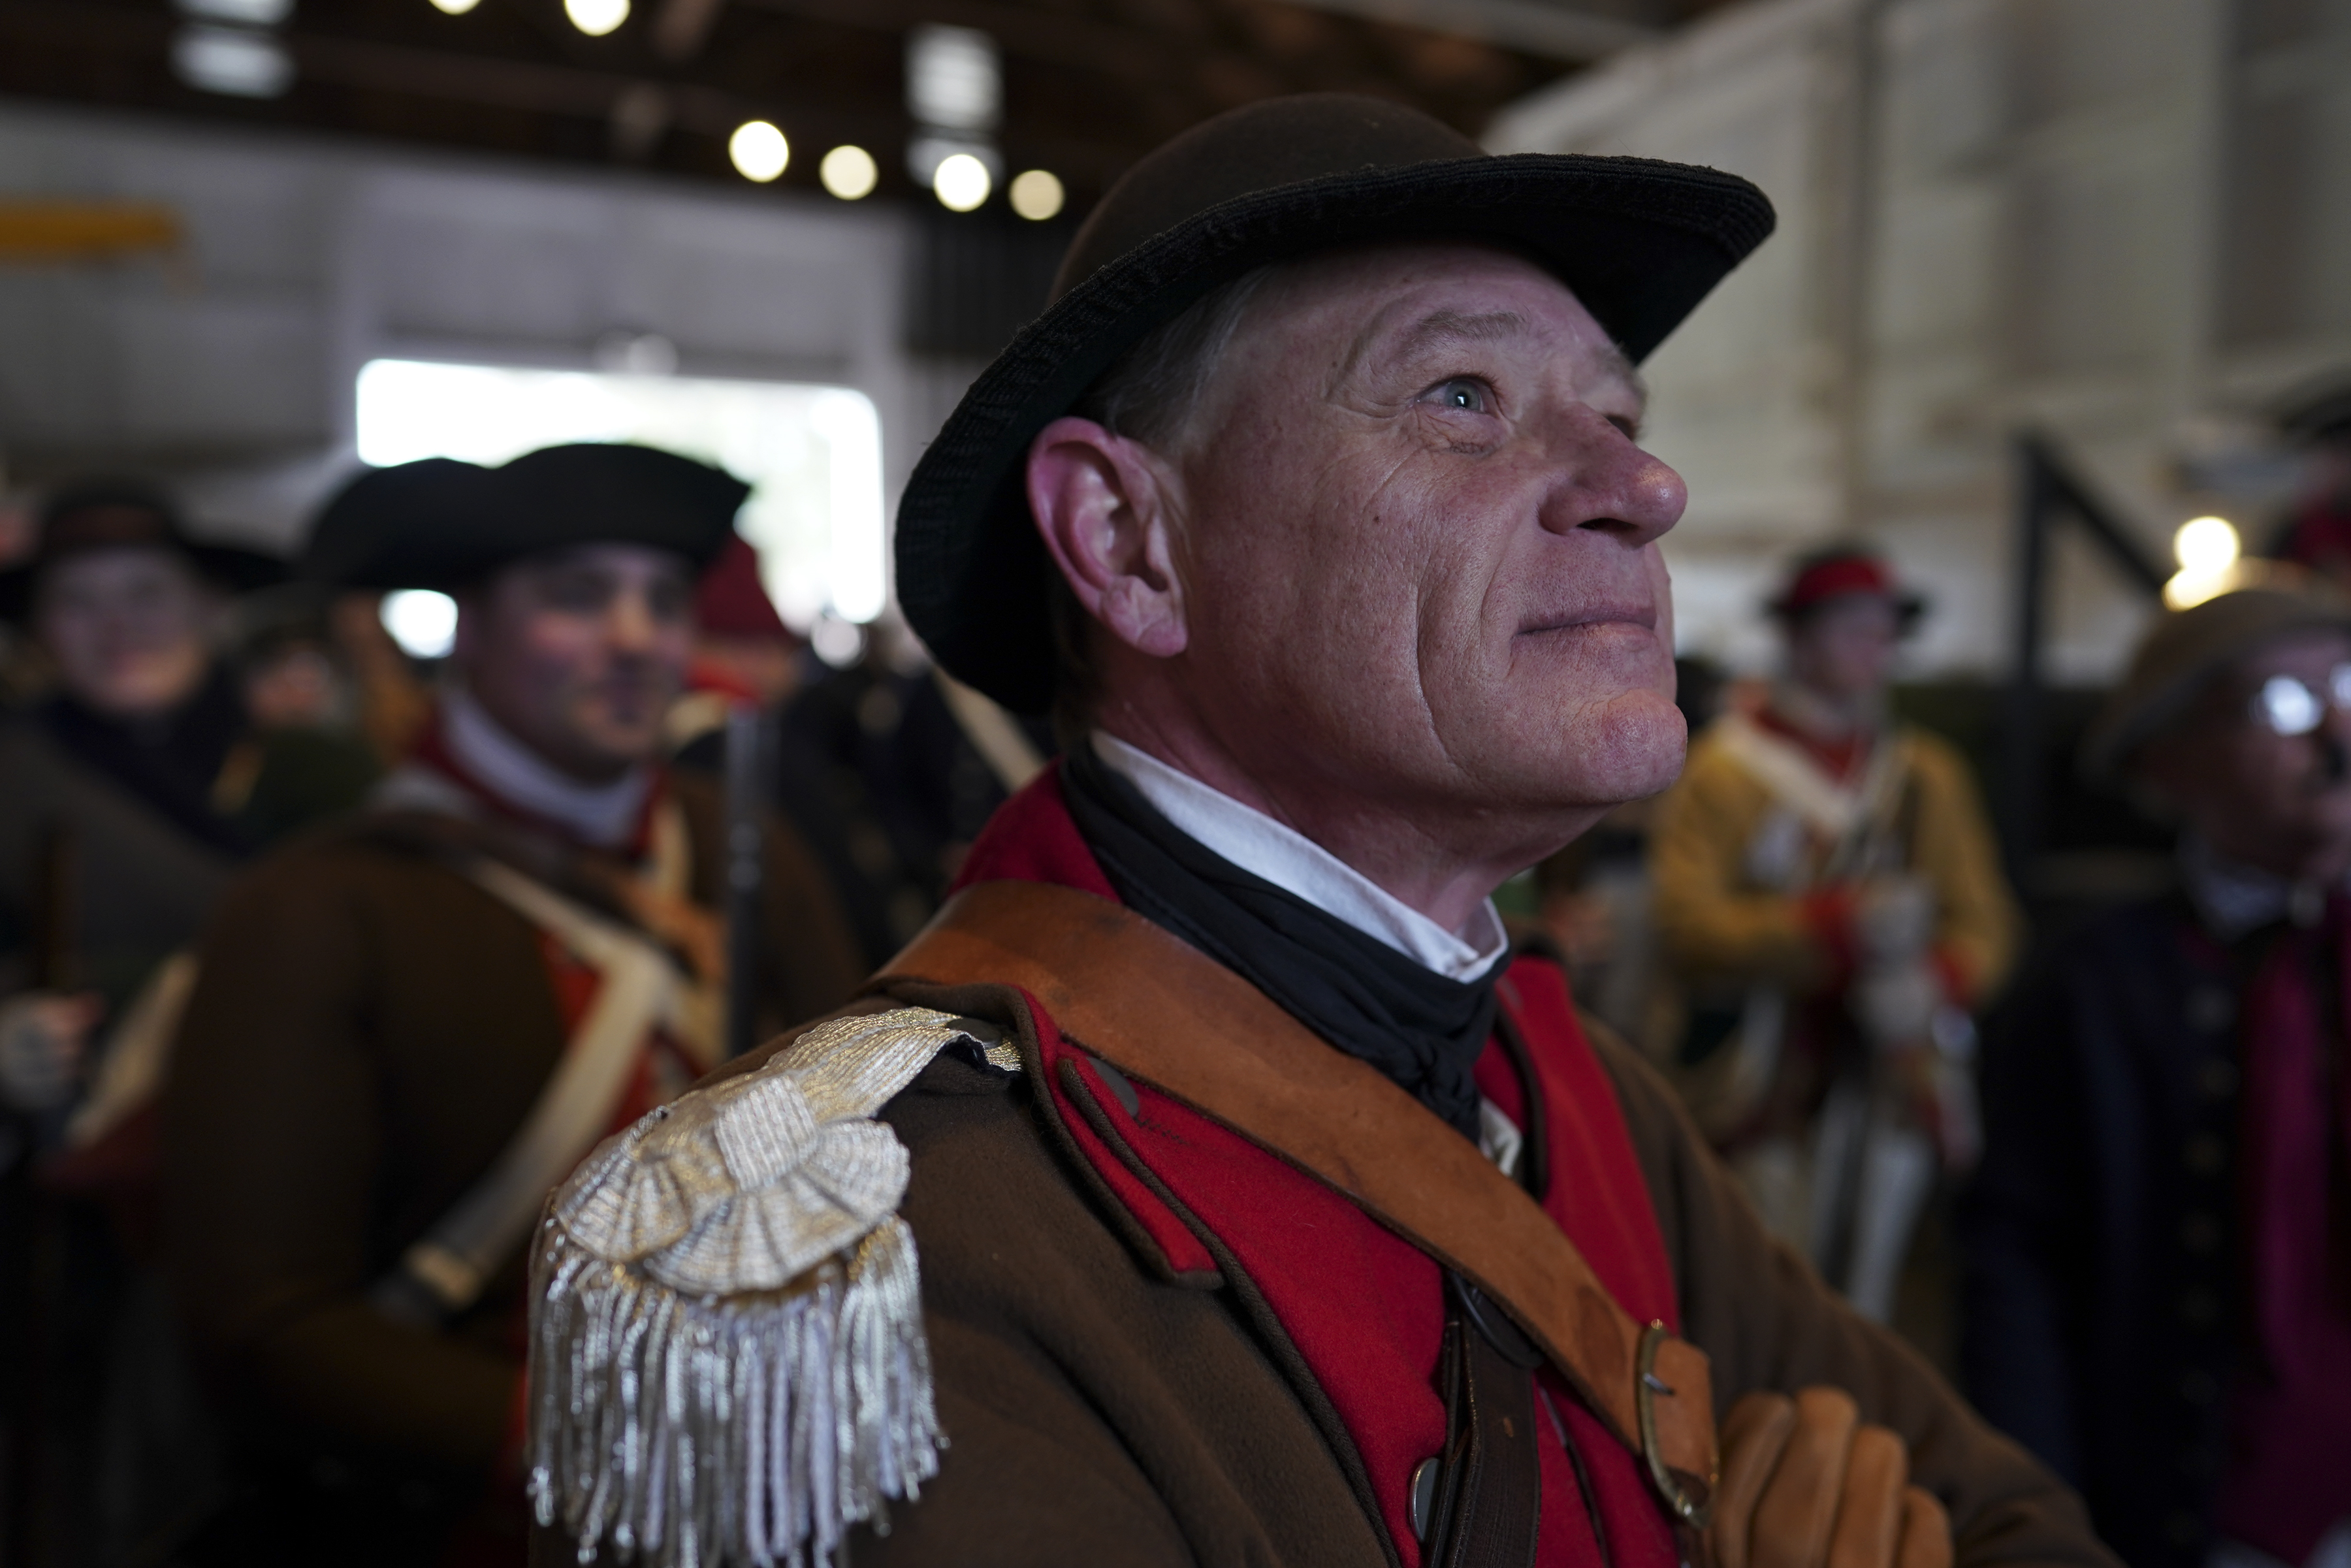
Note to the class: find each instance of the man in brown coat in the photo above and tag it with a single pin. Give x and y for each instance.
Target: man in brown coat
(407, 1029)
(1210, 1183)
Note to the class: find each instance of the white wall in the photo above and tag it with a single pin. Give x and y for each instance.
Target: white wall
(2121, 220)
(231, 366)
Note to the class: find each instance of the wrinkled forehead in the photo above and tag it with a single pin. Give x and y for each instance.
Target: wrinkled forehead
(1372, 305)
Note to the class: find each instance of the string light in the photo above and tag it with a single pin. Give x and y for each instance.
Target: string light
(849, 173)
(596, 18)
(961, 183)
(2206, 549)
(1036, 195)
(455, 8)
(758, 150)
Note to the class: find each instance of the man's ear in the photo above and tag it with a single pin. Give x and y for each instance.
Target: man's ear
(1106, 508)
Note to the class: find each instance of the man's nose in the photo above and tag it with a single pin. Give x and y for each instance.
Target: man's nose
(631, 621)
(1606, 482)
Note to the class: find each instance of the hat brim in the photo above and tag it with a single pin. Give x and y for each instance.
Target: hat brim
(233, 570)
(1639, 243)
(446, 526)
(1909, 607)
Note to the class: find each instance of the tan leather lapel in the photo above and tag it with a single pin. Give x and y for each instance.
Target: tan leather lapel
(1163, 1011)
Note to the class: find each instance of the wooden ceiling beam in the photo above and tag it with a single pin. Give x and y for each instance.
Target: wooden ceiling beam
(1543, 28)
(1076, 42)
(530, 86)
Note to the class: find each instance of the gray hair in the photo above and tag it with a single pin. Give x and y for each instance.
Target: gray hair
(1150, 394)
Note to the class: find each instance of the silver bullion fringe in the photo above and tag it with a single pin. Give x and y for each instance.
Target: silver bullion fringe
(752, 1428)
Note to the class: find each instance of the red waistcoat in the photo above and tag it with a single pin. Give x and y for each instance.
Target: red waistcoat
(1364, 1309)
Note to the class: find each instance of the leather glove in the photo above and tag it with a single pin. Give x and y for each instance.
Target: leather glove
(1807, 1484)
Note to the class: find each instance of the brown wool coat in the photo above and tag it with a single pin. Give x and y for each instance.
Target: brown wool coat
(1099, 1413)
(369, 1031)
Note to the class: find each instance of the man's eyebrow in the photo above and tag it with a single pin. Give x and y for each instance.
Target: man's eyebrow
(1441, 327)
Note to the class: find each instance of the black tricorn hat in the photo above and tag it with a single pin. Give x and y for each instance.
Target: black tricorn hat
(1639, 242)
(92, 515)
(439, 523)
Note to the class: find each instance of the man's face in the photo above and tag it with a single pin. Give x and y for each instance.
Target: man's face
(2282, 802)
(580, 652)
(1417, 542)
(126, 628)
(1843, 647)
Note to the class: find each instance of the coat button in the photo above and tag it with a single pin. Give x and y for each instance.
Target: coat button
(2206, 1153)
(2200, 1232)
(1423, 1495)
(2200, 1388)
(2209, 1008)
(2199, 1309)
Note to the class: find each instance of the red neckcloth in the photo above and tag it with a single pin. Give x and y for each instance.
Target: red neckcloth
(2289, 1471)
(1840, 759)
(1363, 1307)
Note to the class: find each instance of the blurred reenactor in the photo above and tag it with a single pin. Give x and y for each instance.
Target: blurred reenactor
(130, 793)
(129, 796)
(2158, 1241)
(407, 1030)
(1831, 907)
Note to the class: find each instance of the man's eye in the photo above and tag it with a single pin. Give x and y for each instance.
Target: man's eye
(1466, 394)
(577, 593)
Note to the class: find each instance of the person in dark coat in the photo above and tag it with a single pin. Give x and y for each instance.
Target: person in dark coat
(131, 791)
(406, 1027)
(2158, 1287)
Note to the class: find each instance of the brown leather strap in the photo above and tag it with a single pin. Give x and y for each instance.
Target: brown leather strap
(1163, 1011)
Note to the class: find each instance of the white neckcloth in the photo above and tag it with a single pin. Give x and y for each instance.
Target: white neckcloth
(1296, 864)
(604, 815)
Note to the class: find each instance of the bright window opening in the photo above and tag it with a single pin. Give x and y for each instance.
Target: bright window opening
(812, 454)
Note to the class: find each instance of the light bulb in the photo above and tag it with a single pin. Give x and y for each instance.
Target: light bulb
(1036, 195)
(596, 18)
(849, 173)
(2205, 547)
(758, 150)
(455, 8)
(961, 183)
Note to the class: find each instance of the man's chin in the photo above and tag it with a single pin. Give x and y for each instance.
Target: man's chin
(613, 749)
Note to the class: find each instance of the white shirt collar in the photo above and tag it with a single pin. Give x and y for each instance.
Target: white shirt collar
(604, 815)
(1296, 864)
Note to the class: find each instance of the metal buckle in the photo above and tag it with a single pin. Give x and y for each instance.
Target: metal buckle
(1698, 1513)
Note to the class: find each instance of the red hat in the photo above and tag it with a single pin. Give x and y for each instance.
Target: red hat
(730, 601)
(1835, 572)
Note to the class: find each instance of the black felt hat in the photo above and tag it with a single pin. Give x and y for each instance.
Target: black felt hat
(1639, 242)
(439, 523)
(93, 514)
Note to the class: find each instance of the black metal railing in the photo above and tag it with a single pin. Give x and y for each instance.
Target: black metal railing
(2050, 493)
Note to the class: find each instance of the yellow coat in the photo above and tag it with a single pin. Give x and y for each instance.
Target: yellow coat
(1723, 931)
